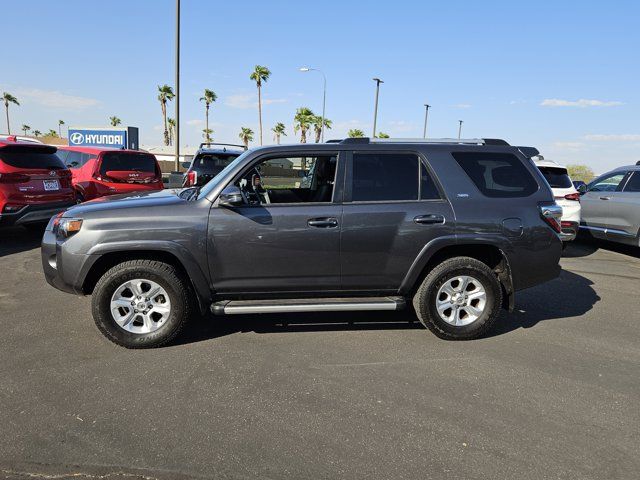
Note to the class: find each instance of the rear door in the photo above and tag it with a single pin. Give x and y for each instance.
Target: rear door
(393, 207)
(596, 202)
(624, 218)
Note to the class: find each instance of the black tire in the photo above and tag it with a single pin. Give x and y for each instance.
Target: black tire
(79, 198)
(168, 277)
(424, 301)
(36, 227)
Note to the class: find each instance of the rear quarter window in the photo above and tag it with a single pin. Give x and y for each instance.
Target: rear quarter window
(556, 176)
(497, 175)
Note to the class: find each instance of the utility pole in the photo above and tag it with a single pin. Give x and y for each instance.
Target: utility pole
(177, 165)
(426, 115)
(460, 122)
(375, 109)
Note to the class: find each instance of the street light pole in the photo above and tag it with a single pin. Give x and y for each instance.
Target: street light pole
(324, 96)
(375, 109)
(177, 164)
(426, 115)
(460, 122)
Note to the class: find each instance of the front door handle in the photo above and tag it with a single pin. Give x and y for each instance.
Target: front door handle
(431, 219)
(605, 198)
(328, 222)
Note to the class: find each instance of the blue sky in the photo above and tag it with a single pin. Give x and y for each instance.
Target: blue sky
(562, 76)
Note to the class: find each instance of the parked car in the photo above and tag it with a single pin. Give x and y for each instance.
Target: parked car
(565, 194)
(452, 227)
(34, 183)
(208, 162)
(100, 171)
(611, 206)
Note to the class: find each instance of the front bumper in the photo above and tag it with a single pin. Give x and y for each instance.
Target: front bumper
(34, 213)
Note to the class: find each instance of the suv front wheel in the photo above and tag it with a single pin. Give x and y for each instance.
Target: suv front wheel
(459, 299)
(142, 303)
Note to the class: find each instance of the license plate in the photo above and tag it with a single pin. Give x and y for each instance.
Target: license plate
(51, 185)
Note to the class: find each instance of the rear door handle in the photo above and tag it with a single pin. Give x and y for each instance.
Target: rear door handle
(431, 219)
(328, 222)
(605, 198)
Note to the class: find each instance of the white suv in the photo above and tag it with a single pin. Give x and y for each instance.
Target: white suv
(565, 194)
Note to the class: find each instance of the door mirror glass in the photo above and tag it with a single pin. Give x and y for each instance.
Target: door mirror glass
(230, 197)
(582, 188)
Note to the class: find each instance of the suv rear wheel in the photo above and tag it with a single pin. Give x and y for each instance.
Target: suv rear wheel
(142, 303)
(459, 299)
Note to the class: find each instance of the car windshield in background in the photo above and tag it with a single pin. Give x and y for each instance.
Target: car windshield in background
(121, 161)
(209, 163)
(31, 158)
(557, 177)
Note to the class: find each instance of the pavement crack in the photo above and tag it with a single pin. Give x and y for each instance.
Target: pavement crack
(63, 476)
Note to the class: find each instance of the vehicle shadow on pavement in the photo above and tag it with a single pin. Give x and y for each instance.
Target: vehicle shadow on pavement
(18, 239)
(586, 246)
(545, 302)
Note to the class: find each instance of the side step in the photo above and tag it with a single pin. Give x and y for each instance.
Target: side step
(239, 307)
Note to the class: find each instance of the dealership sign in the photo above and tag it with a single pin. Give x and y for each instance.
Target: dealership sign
(126, 137)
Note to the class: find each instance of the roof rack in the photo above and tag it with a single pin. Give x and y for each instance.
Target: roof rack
(530, 152)
(457, 141)
(223, 144)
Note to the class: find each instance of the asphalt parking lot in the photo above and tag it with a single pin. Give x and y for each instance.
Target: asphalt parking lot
(553, 393)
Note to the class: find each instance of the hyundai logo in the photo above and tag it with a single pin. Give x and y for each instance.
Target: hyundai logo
(52, 173)
(76, 138)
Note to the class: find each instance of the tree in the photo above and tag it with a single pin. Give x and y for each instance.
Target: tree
(172, 129)
(206, 133)
(278, 131)
(580, 172)
(51, 133)
(115, 121)
(165, 94)
(25, 128)
(260, 74)
(302, 121)
(208, 98)
(355, 133)
(37, 133)
(246, 135)
(8, 98)
(60, 123)
(317, 126)
(382, 135)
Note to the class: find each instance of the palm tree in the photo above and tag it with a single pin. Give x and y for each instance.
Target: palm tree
(208, 98)
(260, 74)
(206, 133)
(355, 133)
(172, 129)
(302, 121)
(51, 133)
(25, 128)
(246, 135)
(382, 135)
(278, 131)
(317, 126)
(60, 123)
(165, 94)
(115, 121)
(37, 133)
(8, 98)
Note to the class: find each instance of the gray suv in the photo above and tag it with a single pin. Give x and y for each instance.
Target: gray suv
(450, 228)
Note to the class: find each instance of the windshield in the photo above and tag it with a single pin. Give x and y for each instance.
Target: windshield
(215, 181)
(125, 161)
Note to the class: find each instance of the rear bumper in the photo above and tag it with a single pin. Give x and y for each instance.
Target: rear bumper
(569, 230)
(34, 213)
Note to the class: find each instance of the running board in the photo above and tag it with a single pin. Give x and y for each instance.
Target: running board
(239, 307)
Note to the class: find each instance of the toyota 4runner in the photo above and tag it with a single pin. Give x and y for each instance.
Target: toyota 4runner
(450, 228)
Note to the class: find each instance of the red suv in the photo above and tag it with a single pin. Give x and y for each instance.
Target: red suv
(100, 171)
(34, 184)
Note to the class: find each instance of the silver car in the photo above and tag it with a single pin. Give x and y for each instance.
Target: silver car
(611, 206)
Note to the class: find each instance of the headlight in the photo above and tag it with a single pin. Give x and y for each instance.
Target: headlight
(66, 227)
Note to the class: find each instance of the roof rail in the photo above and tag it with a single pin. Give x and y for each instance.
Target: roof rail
(225, 144)
(457, 141)
(529, 152)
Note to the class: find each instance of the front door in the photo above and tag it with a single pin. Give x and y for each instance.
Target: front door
(624, 219)
(285, 237)
(596, 203)
(392, 209)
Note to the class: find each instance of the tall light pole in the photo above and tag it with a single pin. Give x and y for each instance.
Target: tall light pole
(375, 109)
(177, 165)
(426, 115)
(460, 122)
(324, 96)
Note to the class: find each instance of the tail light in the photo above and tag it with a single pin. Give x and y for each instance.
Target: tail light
(13, 178)
(551, 213)
(192, 178)
(573, 196)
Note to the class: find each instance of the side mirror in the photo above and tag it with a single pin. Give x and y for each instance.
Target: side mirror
(230, 197)
(582, 189)
(186, 165)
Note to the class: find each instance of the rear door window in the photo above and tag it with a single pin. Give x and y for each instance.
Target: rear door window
(556, 176)
(385, 177)
(497, 175)
(123, 162)
(31, 158)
